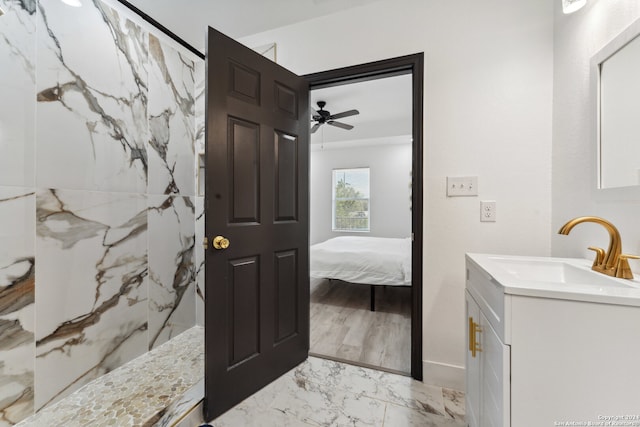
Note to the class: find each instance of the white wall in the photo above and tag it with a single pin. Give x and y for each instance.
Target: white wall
(389, 179)
(577, 38)
(488, 96)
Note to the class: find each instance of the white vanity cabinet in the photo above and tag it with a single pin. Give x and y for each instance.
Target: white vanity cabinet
(548, 355)
(487, 368)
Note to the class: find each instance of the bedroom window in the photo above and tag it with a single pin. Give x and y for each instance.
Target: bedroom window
(351, 199)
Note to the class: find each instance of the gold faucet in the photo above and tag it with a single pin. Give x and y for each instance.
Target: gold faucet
(612, 262)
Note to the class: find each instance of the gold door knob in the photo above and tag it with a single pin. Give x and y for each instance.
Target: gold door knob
(205, 243)
(220, 242)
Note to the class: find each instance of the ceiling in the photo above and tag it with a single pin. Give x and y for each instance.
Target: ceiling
(384, 104)
(236, 18)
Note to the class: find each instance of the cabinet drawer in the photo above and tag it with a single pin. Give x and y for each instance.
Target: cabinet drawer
(489, 295)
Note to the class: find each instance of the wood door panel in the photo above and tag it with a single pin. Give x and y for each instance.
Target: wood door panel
(286, 308)
(244, 159)
(244, 310)
(286, 167)
(286, 100)
(244, 83)
(257, 305)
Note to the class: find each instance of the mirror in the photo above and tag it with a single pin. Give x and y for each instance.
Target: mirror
(616, 74)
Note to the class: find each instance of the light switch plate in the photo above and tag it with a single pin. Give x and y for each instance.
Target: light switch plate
(460, 186)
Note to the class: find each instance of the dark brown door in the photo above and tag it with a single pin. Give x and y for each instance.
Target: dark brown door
(257, 289)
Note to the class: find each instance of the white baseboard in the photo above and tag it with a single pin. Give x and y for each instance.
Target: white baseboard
(443, 375)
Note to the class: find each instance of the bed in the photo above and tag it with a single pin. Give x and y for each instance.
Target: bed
(375, 261)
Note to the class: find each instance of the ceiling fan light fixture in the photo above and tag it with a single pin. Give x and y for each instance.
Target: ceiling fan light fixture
(570, 6)
(321, 116)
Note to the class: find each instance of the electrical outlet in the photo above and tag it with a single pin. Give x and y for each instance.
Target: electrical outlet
(458, 186)
(488, 211)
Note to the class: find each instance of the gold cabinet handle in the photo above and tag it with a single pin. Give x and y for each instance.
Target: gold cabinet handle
(476, 348)
(220, 242)
(471, 335)
(474, 345)
(205, 243)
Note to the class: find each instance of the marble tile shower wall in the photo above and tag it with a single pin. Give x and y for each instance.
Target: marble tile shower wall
(99, 121)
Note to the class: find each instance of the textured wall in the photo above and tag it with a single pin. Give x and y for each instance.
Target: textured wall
(577, 38)
(97, 196)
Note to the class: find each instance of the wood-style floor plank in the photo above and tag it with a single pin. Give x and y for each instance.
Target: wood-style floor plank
(343, 327)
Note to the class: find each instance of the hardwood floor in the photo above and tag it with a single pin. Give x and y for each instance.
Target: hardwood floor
(343, 327)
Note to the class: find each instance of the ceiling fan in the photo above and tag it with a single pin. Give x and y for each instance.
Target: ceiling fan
(323, 116)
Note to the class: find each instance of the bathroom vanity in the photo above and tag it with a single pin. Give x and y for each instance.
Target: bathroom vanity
(550, 343)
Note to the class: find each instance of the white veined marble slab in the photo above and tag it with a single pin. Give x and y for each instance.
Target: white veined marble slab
(17, 293)
(171, 112)
(171, 267)
(17, 89)
(92, 312)
(92, 96)
(199, 261)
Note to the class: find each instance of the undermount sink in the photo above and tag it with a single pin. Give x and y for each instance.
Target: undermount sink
(557, 271)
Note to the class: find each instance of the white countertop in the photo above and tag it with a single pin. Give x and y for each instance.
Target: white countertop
(558, 278)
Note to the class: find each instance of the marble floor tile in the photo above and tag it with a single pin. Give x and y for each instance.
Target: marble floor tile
(397, 389)
(319, 405)
(321, 392)
(454, 403)
(247, 416)
(400, 416)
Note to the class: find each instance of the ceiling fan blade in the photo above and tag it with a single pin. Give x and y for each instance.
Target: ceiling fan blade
(344, 114)
(315, 127)
(340, 125)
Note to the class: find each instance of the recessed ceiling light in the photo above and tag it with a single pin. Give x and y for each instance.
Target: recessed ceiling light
(74, 3)
(1, 12)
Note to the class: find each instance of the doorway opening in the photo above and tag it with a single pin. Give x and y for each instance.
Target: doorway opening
(367, 337)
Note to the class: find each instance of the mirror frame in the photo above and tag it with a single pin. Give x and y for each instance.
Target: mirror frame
(632, 192)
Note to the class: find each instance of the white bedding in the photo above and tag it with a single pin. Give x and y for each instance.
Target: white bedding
(365, 260)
